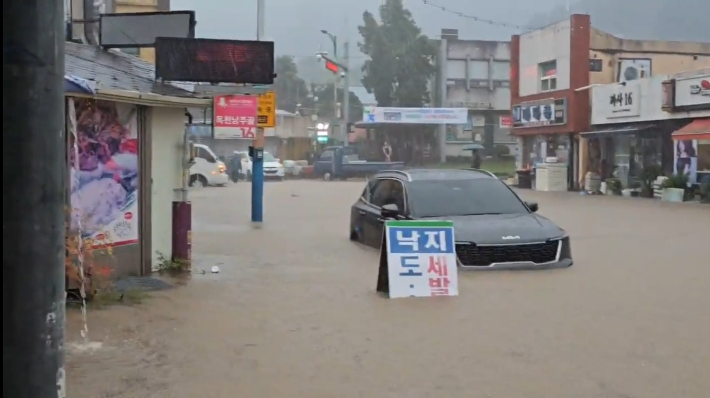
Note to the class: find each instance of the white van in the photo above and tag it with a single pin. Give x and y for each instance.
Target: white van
(207, 169)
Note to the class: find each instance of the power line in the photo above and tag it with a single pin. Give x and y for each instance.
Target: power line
(476, 18)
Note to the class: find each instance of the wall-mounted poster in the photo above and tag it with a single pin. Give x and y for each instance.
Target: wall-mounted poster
(633, 69)
(104, 171)
(686, 159)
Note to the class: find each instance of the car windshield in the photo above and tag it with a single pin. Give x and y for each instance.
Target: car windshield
(269, 157)
(462, 197)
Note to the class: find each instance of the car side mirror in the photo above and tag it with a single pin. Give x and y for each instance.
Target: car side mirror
(389, 211)
(533, 206)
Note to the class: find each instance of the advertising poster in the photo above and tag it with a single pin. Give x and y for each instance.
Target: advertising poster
(235, 116)
(104, 171)
(686, 159)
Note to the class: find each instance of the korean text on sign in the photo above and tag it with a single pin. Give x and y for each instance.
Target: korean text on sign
(235, 116)
(421, 258)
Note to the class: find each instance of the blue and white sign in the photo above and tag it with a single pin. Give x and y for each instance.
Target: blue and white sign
(416, 115)
(421, 259)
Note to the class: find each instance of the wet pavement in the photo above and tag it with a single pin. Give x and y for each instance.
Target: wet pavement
(293, 312)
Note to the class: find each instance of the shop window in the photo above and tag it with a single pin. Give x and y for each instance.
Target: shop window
(703, 154)
(547, 71)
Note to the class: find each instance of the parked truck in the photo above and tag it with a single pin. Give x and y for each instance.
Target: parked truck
(337, 162)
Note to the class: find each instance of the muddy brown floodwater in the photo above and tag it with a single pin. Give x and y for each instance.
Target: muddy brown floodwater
(294, 314)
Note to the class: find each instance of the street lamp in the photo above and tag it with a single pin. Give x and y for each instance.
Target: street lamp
(334, 40)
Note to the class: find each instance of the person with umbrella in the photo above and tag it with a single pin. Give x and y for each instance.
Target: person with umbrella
(477, 159)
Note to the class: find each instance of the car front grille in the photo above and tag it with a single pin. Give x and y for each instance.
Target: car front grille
(471, 255)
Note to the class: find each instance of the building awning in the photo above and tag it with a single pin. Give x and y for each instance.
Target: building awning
(621, 129)
(699, 129)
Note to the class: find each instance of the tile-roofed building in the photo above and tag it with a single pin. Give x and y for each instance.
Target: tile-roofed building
(114, 70)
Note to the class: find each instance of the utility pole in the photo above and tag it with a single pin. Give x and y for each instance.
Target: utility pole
(34, 177)
(346, 94)
(257, 173)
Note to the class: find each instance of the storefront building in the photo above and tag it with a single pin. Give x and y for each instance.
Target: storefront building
(126, 154)
(634, 126)
(690, 93)
(552, 71)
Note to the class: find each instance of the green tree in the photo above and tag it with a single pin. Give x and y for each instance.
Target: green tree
(324, 103)
(401, 58)
(291, 90)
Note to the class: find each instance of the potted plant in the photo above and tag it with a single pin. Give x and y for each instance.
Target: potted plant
(648, 176)
(705, 192)
(674, 188)
(613, 186)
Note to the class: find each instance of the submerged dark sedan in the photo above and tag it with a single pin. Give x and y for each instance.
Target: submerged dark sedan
(494, 228)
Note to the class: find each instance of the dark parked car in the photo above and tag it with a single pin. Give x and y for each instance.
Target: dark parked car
(494, 228)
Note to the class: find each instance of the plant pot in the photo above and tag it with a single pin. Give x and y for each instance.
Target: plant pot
(673, 195)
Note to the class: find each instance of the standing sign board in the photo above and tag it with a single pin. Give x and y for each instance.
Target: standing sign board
(418, 259)
(235, 117)
(266, 113)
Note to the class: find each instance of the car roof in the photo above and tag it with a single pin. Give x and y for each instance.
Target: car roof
(435, 174)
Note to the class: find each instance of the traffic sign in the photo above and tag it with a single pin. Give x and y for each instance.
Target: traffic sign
(266, 113)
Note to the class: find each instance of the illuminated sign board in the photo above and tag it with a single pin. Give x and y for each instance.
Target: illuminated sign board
(214, 61)
(331, 66)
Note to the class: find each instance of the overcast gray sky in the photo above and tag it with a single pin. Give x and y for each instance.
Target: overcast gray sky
(295, 24)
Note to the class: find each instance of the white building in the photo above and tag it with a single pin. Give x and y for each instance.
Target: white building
(474, 74)
(660, 121)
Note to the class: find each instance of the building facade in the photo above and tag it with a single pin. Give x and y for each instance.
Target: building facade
(637, 125)
(129, 134)
(552, 70)
(474, 74)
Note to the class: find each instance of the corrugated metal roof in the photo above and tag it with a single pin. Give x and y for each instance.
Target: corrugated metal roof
(115, 70)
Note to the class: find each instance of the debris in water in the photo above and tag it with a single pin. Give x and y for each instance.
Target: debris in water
(215, 269)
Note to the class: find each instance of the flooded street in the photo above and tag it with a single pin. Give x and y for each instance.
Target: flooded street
(293, 312)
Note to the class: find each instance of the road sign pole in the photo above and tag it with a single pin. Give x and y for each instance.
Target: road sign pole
(257, 172)
(257, 179)
(346, 95)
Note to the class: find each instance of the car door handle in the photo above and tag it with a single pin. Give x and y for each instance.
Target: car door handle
(362, 212)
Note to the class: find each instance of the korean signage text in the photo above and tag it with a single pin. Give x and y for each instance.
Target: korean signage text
(235, 116)
(418, 115)
(505, 122)
(266, 113)
(418, 259)
(537, 114)
(693, 92)
(624, 101)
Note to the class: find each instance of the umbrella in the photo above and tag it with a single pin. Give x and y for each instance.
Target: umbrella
(472, 147)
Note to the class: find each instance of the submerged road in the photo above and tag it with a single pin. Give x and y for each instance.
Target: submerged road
(293, 312)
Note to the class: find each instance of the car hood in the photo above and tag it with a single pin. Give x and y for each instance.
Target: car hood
(504, 228)
(272, 165)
